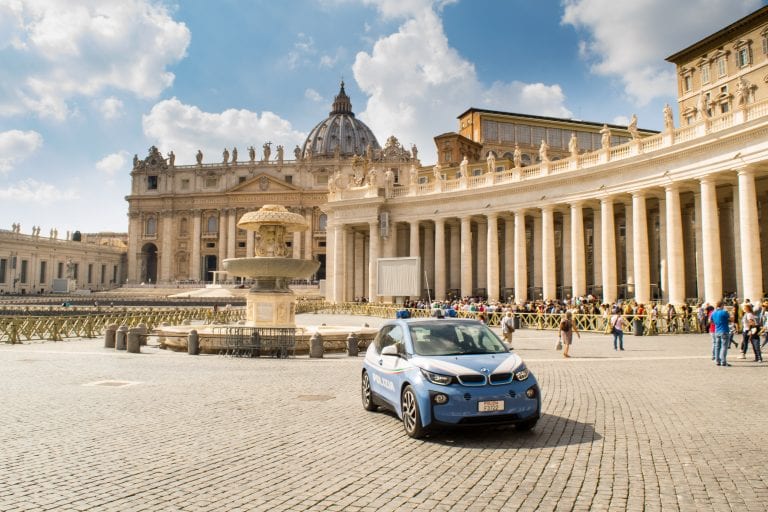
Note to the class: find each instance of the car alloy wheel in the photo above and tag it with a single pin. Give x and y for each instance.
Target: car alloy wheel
(411, 416)
(368, 404)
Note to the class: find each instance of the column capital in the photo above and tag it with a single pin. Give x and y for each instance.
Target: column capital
(745, 170)
(639, 193)
(579, 203)
(607, 199)
(547, 208)
(492, 215)
(672, 187)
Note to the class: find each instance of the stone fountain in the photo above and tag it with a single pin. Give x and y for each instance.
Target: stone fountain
(270, 302)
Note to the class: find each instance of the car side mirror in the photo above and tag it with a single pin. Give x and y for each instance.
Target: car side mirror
(507, 346)
(390, 350)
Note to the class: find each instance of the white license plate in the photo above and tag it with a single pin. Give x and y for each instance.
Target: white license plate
(490, 406)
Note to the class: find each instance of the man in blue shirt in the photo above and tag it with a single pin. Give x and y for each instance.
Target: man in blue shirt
(721, 319)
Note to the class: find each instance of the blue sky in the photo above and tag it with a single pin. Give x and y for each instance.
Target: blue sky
(85, 84)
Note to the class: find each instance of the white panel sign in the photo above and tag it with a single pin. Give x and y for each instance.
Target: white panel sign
(399, 277)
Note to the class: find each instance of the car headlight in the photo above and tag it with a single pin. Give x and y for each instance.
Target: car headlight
(522, 373)
(437, 378)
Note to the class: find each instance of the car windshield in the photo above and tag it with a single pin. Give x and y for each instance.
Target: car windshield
(445, 338)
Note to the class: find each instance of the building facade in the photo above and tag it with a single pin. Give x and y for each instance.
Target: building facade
(673, 216)
(30, 263)
(183, 218)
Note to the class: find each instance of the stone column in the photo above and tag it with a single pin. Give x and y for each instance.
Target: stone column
(578, 260)
(675, 256)
(641, 263)
(295, 246)
(222, 225)
(349, 264)
(608, 245)
(509, 252)
(232, 233)
(481, 255)
(196, 235)
(492, 257)
(373, 261)
(536, 258)
(663, 267)
(700, 263)
(466, 256)
(308, 245)
(629, 246)
(440, 274)
(359, 266)
(166, 251)
(566, 247)
(414, 251)
(339, 256)
(710, 231)
(134, 231)
(548, 274)
(749, 233)
(428, 261)
(455, 248)
(521, 259)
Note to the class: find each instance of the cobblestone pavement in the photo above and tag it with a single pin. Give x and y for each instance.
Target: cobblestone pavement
(656, 427)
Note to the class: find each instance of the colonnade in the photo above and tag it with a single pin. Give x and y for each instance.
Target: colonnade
(696, 239)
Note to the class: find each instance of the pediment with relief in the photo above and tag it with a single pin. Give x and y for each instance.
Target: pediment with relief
(264, 183)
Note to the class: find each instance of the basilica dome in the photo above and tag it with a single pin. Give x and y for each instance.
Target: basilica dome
(340, 134)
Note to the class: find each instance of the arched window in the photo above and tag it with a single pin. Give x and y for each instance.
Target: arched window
(183, 226)
(213, 224)
(322, 222)
(150, 227)
(525, 159)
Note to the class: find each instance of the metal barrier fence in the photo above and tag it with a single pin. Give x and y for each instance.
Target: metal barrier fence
(255, 341)
(26, 327)
(544, 321)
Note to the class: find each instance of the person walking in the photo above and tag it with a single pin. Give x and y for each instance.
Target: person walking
(617, 329)
(567, 329)
(721, 319)
(749, 329)
(508, 328)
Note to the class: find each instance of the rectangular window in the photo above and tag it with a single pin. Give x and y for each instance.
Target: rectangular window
(743, 57)
(523, 134)
(288, 179)
(114, 274)
(477, 172)
(446, 156)
(507, 132)
(705, 74)
(687, 81)
(422, 181)
(721, 66)
(151, 182)
(103, 274)
(490, 130)
(23, 274)
(537, 135)
(321, 179)
(60, 270)
(555, 137)
(185, 184)
(241, 179)
(585, 141)
(765, 45)
(75, 271)
(90, 273)
(3, 269)
(43, 271)
(211, 182)
(724, 108)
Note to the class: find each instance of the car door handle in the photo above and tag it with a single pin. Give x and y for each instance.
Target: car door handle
(381, 362)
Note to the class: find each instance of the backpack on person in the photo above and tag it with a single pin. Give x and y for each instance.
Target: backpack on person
(565, 326)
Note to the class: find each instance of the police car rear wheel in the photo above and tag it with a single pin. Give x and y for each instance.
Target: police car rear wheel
(368, 404)
(411, 416)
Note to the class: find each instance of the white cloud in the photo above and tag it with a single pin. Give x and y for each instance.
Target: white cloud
(112, 163)
(313, 95)
(111, 108)
(185, 129)
(33, 191)
(62, 50)
(16, 145)
(630, 40)
(417, 83)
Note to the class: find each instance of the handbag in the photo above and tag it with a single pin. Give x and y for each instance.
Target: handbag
(559, 345)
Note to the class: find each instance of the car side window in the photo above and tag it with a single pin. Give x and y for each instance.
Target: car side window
(388, 336)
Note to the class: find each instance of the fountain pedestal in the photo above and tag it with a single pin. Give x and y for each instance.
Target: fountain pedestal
(270, 302)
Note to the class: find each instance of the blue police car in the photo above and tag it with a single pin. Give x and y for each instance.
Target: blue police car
(434, 372)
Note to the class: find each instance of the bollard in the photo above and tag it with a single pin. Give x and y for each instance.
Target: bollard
(143, 331)
(120, 335)
(133, 343)
(193, 343)
(109, 336)
(316, 346)
(352, 349)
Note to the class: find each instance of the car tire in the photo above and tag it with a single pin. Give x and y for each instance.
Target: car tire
(411, 415)
(526, 425)
(367, 394)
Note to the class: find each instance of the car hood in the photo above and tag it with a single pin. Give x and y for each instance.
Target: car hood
(469, 364)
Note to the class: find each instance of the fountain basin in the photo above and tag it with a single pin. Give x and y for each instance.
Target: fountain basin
(265, 266)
